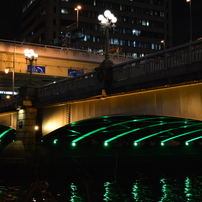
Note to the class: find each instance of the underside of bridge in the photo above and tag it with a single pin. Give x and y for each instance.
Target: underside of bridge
(127, 136)
(146, 138)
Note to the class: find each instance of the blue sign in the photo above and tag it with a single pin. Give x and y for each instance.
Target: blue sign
(36, 69)
(74, 72)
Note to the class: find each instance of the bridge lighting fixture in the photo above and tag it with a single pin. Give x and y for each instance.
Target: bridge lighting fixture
(107, 22)
(106, 144)
(187, 143)
(73, 144)
(30, 56)
(55, 141)
(135, 144)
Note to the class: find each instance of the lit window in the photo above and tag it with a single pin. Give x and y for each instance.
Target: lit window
(64, 10)
(134, 55)
(134, 44)
(116, 41)
(136, 32)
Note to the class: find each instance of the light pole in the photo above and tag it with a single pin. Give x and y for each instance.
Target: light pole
(107, 21)
(190, 18)
(13, 76)
(31, 56)
(77, 15)
(164, 44)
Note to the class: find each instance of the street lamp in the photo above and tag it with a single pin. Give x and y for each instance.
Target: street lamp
(31, 56)
(7, 70)
(164, 44)
(190, 18)
(107, 21)
(77, 16)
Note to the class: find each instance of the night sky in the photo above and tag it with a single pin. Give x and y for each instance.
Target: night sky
(10, 11)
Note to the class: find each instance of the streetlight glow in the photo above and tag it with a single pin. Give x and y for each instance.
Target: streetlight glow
(107, 21)
(31, 56)
(77, 18)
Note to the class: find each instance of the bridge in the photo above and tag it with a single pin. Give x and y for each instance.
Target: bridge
(153, 100)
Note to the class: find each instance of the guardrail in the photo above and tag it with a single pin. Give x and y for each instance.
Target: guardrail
(62, 48)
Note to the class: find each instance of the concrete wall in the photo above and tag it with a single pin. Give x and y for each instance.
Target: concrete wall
(9, 119)
(56, 60)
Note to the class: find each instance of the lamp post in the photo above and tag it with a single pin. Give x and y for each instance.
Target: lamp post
(164, 44)
(190, 18)
(31, 57)
(7, 70)
(77, 15)
(107, 21)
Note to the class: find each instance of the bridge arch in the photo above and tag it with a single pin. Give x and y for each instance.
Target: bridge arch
(130, 135)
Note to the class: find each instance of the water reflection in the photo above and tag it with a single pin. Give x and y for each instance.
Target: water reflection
(74, 194)
(188, 189)
(193, 188)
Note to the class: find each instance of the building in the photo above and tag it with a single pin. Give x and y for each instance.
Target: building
(143, 26)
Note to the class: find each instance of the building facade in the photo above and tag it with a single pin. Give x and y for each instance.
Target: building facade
(142, 27)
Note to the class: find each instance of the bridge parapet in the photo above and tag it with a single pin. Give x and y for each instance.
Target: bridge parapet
(71, 89)
(185, 54)
(151, 64)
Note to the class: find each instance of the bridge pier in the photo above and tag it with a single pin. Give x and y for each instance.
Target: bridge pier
(25, 145)
(26, 121)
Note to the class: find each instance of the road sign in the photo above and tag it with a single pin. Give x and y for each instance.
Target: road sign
(36, 69)
(74, 72)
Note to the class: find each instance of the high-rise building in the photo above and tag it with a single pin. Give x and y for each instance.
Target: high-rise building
(142, 27)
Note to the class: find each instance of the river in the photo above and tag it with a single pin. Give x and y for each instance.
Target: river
(102, 183)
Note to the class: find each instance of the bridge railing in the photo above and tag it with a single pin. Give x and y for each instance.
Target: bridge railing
(159, 61)
(181, 55)
(68, 85)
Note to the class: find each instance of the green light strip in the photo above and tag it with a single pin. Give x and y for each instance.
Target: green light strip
(88, 134)
(183, 134)
(137, 129)
(163, 131)
(103, 128)
(191, 140)
(2, 134)
(131, 131)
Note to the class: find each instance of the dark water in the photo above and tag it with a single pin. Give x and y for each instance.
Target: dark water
(99, 183)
